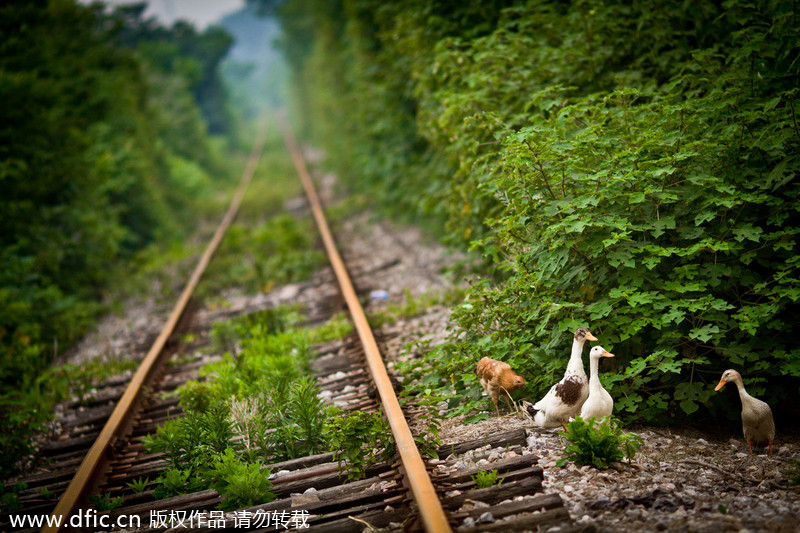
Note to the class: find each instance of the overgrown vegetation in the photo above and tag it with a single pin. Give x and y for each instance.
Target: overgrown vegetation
(104, 153)
(358, 440)
(258, 257)
(486, 478)
(616, 165)
(255, 406)
(104, 501)
(597, 444)
(139, 484)
(411, 306)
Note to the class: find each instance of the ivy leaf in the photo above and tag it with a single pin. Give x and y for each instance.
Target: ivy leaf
(635, 367)
(599, 310)
(675, 315)
(689, 406)
(704, 216)
(636, 198)
(640, 298)
(748, 232)
(662, 224)
(621, 257)
(704, 333)
(475, 418)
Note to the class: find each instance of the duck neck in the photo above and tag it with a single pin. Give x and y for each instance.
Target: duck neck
(742, 392)
(575, 365)
(594, 372)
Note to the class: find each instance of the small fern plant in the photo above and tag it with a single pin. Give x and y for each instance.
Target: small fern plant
(598, 445)
(139, 485)
(486, 478)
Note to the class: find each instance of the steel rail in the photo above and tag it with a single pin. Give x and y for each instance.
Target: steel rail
(430, 508)
(95, 463)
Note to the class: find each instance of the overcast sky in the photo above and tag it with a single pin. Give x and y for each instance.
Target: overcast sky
(201, 13)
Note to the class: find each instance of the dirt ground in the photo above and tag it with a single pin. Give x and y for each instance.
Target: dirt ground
(680, 480)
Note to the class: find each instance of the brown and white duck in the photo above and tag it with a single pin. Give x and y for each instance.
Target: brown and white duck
(757, 423)
(565, 398)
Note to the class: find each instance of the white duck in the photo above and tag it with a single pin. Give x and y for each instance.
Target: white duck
(757, 423)
(599, 403)
(565, 398)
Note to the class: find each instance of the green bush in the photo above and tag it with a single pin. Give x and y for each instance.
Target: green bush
(616, 165)
(104, 502)
(486, 478)
(359, 440)
(597, 444)
(103, 153)
(240, 484)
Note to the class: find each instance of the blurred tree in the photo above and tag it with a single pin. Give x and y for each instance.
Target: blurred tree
(102, 151)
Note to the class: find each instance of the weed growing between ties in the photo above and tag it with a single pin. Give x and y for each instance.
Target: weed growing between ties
(261, 255)
(359, 440)
(486, 478)
(139, 484)
(428, 423)
(598, 444)
(413, 306)
(793, 472)
(255, 406)
(9, 496)
(104, 502)
(31, 407)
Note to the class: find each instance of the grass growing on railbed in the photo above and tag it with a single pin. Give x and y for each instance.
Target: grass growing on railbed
(257, 405)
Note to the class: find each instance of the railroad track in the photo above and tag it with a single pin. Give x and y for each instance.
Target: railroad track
(101, 449)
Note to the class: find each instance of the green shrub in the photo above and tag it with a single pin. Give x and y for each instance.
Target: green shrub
(486, 478)
(139, 485)
(9, 497)
(615, 165)
(176, 481)
(240, 484)
(359, 440)
(105, 502)
(597, 444)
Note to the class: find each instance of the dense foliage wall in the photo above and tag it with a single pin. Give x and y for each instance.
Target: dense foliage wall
(101, 151)
(630, 165)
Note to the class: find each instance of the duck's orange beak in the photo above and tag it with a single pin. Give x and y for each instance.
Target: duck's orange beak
(590, 337)
(607, 354)
(721, 384)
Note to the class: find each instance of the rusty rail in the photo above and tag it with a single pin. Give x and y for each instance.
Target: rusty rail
(93, 466)
(430, 508)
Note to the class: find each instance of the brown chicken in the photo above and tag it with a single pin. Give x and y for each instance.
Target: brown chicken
(497, 378)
